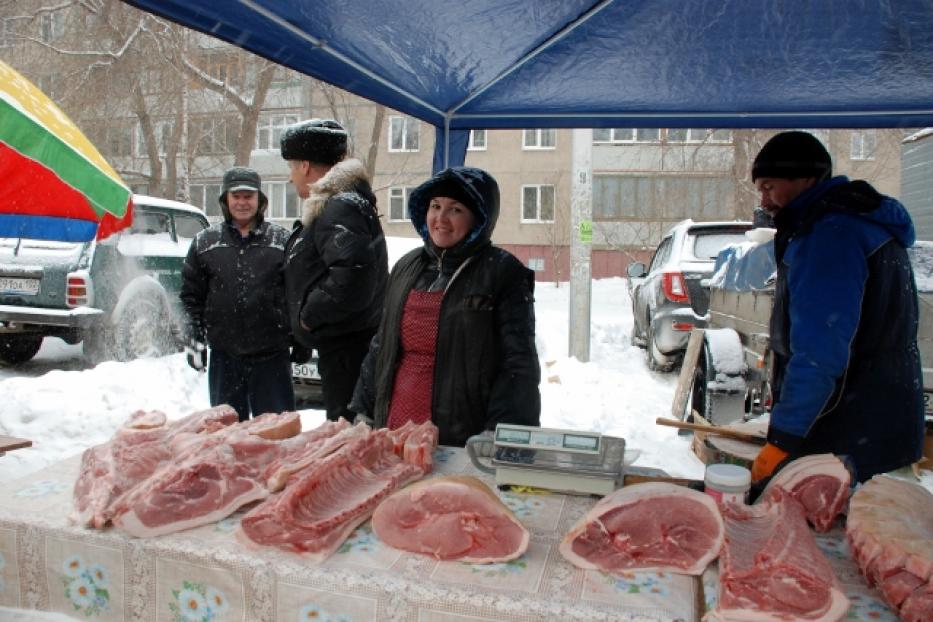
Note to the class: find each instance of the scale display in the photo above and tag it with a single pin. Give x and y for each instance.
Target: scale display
(543, 438)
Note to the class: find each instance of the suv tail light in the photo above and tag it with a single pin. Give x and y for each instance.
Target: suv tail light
(675, 287)
(79, 291)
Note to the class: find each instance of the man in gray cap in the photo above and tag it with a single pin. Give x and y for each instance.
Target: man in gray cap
(336, 263)
(233, 293)
(846, 376)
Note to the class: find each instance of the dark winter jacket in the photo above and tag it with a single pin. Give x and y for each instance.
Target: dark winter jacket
(487, 368)
(336, 264)
(844, 329)
(233, 291)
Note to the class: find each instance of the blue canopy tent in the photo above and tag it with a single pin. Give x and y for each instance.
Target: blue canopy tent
(462, 64)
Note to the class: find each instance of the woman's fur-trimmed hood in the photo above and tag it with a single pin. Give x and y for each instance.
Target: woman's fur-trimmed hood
(345, 176)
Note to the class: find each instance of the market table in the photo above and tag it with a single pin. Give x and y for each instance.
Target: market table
(104, 575)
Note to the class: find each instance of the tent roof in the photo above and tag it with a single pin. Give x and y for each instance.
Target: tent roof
(461, 64)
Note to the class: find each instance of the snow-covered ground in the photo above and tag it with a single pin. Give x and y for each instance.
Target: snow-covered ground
(64, 406)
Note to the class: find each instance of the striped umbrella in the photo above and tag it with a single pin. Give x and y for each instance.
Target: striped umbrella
(55, 185)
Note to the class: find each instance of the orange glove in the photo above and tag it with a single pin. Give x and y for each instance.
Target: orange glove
(768, 460)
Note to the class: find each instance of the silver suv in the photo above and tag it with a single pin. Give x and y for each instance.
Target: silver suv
(668, 298)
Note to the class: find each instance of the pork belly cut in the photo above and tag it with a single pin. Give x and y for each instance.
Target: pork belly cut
(147, 440)
(211, 483)
(325, 502)
(890, 532)
(771, 569)
(650, 526)
(455, 517)
(819, 482)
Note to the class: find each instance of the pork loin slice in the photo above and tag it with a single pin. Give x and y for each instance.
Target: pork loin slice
(771, 569)
(650, 526)
(455, 517)
(820, 483)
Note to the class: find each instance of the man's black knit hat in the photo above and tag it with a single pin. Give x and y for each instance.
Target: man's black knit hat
(240, 178)
(321, 141)
(791, 155)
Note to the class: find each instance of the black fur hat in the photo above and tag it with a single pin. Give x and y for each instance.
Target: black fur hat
(321, 141)
(791, 155)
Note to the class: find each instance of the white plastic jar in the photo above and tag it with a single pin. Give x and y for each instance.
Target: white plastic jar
(728, 483)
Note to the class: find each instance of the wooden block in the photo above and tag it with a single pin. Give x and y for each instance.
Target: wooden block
(9, 443)
(685, 381)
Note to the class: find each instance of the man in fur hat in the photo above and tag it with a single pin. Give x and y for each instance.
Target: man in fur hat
(336, 263)
(234, 296)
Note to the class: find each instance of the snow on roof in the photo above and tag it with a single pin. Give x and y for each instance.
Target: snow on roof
(927, 131)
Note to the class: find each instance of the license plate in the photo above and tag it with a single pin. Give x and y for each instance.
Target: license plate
(17, 285)
(305, 370)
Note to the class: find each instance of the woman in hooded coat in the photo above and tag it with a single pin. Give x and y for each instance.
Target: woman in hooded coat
(456, 344)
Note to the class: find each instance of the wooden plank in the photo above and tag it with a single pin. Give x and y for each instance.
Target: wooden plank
(685, 381)
(712, 429)
(9, 443)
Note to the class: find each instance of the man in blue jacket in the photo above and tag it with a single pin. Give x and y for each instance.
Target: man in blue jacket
(846, 375)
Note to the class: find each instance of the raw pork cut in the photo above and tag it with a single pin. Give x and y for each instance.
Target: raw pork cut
(650, 526)
(771, 569)
(454, 517)
(138, 448)
(324, 503)
(890, 531)
(819, 482)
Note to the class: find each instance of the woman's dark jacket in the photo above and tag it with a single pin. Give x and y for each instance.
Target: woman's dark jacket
(844, 329)
(233, 292)
(336, 264)
(486, 364)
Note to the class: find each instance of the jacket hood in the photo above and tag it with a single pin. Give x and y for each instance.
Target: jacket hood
(345, 176)
(858, 197)
(473, 183)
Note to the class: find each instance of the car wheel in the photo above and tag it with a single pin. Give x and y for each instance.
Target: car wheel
(717, 407)
(657, 360)
(143, 331)
(17, 349)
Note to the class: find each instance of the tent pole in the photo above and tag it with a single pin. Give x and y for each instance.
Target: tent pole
(581, 236)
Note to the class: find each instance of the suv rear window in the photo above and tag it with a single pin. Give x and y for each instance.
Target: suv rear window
(706, 246)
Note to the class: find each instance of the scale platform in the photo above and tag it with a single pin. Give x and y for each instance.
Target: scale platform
(565, 461)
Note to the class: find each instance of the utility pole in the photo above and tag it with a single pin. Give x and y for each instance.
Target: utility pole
(581, 240)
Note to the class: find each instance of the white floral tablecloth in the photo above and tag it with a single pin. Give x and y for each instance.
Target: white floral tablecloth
(205, 574)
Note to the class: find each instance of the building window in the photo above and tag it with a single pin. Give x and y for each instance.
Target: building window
(214, 135)
(206, 197)
(627, 135)
(693, 135)
(539, 139)
(403, 134)
(283, 200)
(164, 131)
(7, 33)
(119, 139)
(398, 203)
(537, 203)
(862, 145)
(477, 140)
(536, 264)
(270, 128)
(51, 25)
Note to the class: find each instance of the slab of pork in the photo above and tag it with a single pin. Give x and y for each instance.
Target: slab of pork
(649, 526)
(820, 483)
(454, 517)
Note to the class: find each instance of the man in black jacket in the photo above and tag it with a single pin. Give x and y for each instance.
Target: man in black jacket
(233, 293)
(336, 262)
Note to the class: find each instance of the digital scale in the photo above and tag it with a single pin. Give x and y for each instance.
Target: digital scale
(566, 461)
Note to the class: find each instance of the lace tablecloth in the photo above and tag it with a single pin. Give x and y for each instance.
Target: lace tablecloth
(205, 574)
